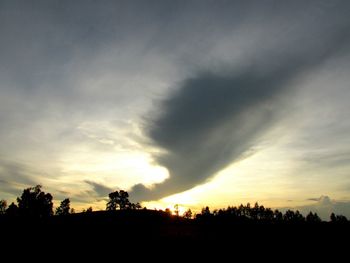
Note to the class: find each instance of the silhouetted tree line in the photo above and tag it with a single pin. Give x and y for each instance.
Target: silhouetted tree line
(257, 213)
(35, 203)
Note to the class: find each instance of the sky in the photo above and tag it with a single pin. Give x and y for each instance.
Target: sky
(178, 102)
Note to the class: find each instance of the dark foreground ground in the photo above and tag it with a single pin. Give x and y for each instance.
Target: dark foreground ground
(147, 230)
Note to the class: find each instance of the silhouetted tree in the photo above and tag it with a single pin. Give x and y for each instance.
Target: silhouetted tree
(260, 213)
(118, 199)
(277, 216)
(241, 211)
(254, 212)
(64, 207)
(136, 206)
(87, 210)
(3, 206)
(112, 204)
(294, 217)
(342, 219)
(205, 213)
(289, 216)
(35, 203)
(12, 210)
(313, 218)
(338, 218)
(176, 209)
(269, 215)
(230, 212)
(188, 214)
(123, 199)
(247, 210)
(333, 218)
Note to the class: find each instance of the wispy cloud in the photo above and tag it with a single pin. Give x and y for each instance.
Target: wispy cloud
(15, 176)
(100, 189)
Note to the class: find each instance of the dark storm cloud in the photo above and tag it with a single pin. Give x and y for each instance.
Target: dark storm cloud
(213, 118)
(209, 122)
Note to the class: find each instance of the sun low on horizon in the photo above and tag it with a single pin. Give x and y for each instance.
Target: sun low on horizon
(203, 103)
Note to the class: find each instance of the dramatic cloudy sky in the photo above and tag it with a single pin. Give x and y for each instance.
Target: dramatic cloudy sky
(178, 102)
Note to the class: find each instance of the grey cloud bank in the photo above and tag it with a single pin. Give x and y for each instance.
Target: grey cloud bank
(212, 119)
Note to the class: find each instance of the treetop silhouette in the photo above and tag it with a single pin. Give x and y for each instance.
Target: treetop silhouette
(120, 199)
(35, 203)
(64, 208)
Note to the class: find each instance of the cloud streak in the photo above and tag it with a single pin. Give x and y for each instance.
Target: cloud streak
(100, 189)
(14, 176)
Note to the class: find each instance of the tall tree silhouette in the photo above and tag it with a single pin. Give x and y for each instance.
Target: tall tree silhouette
(64, 207)
(176, 209)
(35, 203)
